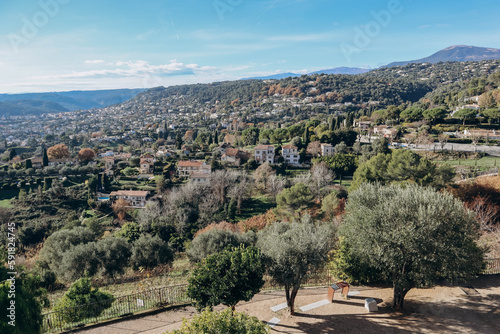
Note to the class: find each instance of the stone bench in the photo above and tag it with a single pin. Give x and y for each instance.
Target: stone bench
(371, 305)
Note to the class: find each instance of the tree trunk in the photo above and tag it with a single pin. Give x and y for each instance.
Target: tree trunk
(399, 297)
(290, 298)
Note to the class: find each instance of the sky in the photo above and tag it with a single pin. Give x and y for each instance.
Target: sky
(62, 45)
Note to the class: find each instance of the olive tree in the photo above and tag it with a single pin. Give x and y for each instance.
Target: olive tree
(292, 250)
(214, 241)
(149, 252)
(411, 236)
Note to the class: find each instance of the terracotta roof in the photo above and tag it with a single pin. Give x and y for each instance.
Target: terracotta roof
(232, 152)
(190, 163)
(144, 161)
(289, 146)
(263, 147)
(137, 193)
(37, 160)
(147, 156)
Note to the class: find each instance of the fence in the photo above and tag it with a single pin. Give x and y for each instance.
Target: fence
(74, 317)
(492, 267)
(120, 306)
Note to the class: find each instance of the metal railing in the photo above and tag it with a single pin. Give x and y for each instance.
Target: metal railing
(78, 316)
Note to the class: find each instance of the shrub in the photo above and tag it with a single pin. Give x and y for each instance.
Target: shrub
(225, 322)
(150, 252)
(82, 301)
(214, 241)
(227, 278)
(129, 231)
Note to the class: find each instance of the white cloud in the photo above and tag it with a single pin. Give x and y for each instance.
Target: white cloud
(97, 61)
(138, 68)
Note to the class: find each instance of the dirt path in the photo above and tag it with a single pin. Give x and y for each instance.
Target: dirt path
(437, 310)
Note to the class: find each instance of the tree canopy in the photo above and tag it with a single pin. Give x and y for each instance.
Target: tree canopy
(411, 236)
(292, 250)
(226, 322)
(227, 278)
(402, 165)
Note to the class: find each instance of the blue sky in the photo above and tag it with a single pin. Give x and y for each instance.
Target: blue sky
(55, 45)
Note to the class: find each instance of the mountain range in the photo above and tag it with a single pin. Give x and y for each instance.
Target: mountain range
(54, 102)
(336, 70)
(455, 53)
(452, 53)
(39, 103)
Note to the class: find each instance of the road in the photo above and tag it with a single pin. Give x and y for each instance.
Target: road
(490, 150)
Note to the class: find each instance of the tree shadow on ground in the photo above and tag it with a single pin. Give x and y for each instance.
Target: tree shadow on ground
(471, 314)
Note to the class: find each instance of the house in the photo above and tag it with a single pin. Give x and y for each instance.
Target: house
(123, 156)
(149, 158)
(163, 151)
(199, 177)
(186, 149)
(364, 125)
(222, 148)
(109, 162)
(37, 162)
(136, 198)
(146, 167)
(109, 172)
(264, 153)
(62, 161)
(233, 156)
(185, 168)
(385, 131)
(290, 154)
(327, 150)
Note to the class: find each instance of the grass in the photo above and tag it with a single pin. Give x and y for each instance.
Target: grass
(256, 206)
(485, 162)
(6, 204)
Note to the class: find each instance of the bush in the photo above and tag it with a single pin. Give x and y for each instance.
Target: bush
(295, 197)
(129, 231)
(61, 241)
(74, 305)
(114, 255)
(222, 322)
(150, 252)
(214, 241)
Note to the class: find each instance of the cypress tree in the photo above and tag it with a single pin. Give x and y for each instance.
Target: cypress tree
(45, 158)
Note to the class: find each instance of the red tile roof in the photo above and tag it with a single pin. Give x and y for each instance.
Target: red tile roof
(190, 163)
(263, 147)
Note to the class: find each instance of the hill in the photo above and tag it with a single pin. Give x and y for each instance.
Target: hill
(343, 70)
(336, 70)
(32, 103)
(29, 107)
(455, 53)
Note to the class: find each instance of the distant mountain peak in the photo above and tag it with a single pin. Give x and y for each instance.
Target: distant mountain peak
(456, 53)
